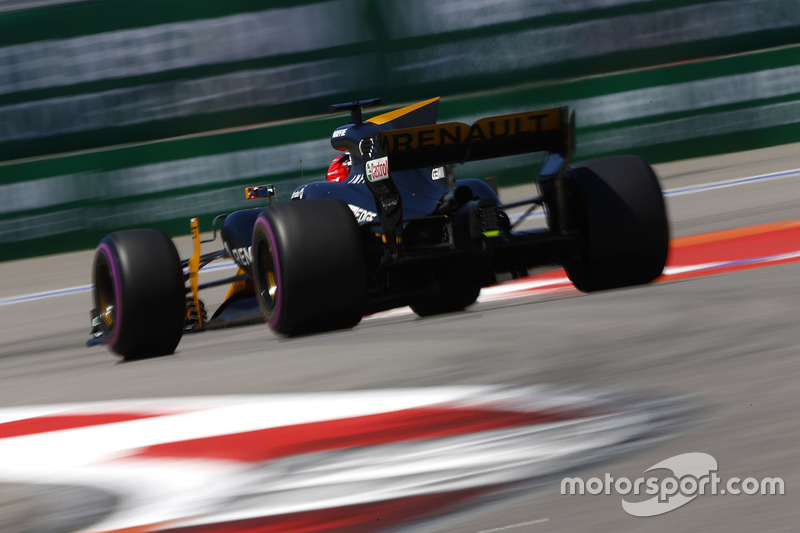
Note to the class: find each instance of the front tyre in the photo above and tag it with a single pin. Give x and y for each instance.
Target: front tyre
(139, 293)
(308, 267)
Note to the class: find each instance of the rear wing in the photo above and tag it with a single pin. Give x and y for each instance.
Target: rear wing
(547, 130)
(396, 141)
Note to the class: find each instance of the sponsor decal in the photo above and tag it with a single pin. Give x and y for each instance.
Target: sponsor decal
(378, 169)
(438, 173)
(366, 147)
(361, 214)
(298, 193)
(357, 178)
(242, 255)
(389, 203)
(452, 133)
(340, 133)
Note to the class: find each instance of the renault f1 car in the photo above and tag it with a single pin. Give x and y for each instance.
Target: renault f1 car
(399, 230)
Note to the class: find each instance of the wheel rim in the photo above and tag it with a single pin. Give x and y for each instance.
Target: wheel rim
(104, 288)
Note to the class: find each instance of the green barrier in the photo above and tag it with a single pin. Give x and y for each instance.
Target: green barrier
(93, 74)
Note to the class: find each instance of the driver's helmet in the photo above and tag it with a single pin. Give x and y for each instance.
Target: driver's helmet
(339, 169)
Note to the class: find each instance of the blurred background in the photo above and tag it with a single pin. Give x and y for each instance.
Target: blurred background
(144, 113)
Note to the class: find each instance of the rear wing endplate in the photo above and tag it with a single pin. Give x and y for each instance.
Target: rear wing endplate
(547, 130)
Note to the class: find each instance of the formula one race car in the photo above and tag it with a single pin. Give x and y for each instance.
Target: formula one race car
(397, 230)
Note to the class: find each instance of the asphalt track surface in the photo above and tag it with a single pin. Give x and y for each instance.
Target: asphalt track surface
(729, 342)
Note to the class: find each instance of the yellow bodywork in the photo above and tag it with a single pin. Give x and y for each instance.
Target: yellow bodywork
(194, 266)
(392, 115)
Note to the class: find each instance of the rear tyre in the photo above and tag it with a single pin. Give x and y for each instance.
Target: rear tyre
(308, 267)
(139, 293)
(617, 207)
